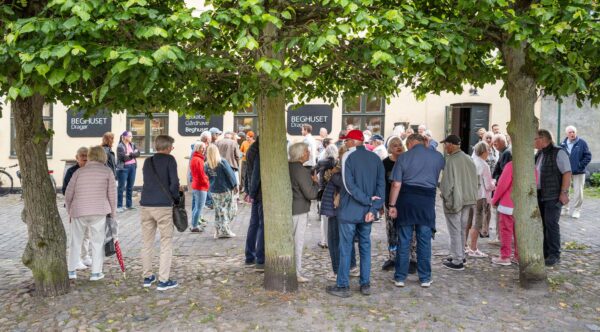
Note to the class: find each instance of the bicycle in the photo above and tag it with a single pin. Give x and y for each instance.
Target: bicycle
(6, 181)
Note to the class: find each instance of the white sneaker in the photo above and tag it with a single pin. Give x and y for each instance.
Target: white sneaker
(87, 261)
(120, 210)
(331, 276)
(398, 283)
(302, 279)
(355, 272)
(576, 214)
(426, 284)
(81, 266)
(97, 276)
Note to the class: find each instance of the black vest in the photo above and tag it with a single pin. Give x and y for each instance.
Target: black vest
(550, 176)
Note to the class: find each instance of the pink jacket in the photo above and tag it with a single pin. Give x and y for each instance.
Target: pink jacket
(502, 195)
(91, 191)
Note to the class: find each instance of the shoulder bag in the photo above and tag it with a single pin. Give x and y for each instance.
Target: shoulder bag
(180, 218)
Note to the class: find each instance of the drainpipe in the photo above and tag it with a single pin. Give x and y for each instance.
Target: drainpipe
(558, 126)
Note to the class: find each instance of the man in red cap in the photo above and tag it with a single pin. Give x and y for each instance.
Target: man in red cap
(363, 177)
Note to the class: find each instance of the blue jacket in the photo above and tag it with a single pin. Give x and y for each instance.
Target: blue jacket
(363, 176)
(222, 178)
(580, 155)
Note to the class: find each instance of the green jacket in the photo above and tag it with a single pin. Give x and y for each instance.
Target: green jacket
(459, 182)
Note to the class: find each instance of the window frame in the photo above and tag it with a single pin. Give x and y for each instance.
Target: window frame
(243, 115)
(363, 114)
(147, 129)
(13, 133)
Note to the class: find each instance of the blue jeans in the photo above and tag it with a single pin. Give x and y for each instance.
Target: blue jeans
(198, 199)
(347, 233)
(333, 242)
(255, 239)
(126, 178)
(405, 233)
(209, 200)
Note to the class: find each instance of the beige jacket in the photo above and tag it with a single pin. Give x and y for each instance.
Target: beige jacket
(459, 182)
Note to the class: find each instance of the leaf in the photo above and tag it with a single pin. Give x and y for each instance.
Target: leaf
(252, 43)
(285, 14)
(27, 28)
(145, 61)
(103, 92)
(72, 77)
(42, 69)
(61, 51)
(70, 23)
(306, 70)
(57, 76)
(119, 67)
(85, 74)
(25, 91)
(13, 92)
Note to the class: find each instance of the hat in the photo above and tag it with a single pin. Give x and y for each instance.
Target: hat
(452, 139)
(215, 131)
(355, 135)
(377, 137)
(250, 134)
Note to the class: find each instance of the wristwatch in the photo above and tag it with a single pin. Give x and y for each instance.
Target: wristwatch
(564, 191)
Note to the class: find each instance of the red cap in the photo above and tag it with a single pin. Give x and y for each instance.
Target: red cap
(355, 135)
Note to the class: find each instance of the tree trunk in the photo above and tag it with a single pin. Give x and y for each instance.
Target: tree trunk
(45, 253)
(522, 95)
(280, 268)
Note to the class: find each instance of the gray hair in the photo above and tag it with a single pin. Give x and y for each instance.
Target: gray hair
(297, 151)
(206, 136)
(415, 137)
(331, 151)
(391, 141)
(480, 148)
(82, 151)
(569, 128)
(545, 134)
(499, 137)
(199, 146)
(229, 134)
(163, 142)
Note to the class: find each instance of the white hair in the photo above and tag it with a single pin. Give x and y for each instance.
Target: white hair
(422, 126)
(428, 133)
(199, 146)
(297, 151)
(569, 128)
(206, 136)
(331, 151)
(499, 137)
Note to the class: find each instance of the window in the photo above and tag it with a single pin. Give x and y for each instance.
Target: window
(145, 130)
(246, 119)
(364, 112)
(46, 117)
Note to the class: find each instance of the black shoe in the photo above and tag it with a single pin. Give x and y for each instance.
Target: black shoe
(365, 290)
(249, 263)
(452, 266)
(210, 207)
(338, 291)
(551, 261)
(412, 267)
(449, 259)
(388, 265)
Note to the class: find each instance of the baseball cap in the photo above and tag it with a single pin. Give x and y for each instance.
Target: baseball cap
(355, 135)
(452, 139)
(215, 130)
(377, 137)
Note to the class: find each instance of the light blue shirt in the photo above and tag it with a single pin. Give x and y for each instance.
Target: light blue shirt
(418, 166)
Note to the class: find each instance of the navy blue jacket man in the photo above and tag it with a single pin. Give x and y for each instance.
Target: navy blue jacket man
(579, 157)
(362, 197)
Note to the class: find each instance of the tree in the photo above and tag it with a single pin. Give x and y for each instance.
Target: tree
(536, 48)
(89, 54)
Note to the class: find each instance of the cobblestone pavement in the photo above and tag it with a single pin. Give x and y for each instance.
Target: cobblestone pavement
(217, 293)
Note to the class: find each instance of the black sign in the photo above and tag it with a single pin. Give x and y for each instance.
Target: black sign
(316, 115)
(93, 126)
(196, 124)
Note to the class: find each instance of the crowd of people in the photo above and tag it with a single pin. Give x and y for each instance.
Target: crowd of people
(356, 180)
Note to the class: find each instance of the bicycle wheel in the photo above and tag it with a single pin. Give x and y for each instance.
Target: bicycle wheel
(6, 183)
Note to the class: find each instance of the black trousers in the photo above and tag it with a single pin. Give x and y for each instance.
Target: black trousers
(550, 211)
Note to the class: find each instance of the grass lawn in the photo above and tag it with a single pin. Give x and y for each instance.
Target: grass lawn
(592, 192)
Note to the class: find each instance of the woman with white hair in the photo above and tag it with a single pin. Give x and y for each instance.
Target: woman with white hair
(327, 162)
(304, 189)
(223, 183)
(200, 186)
(90, 196)
(484, 196)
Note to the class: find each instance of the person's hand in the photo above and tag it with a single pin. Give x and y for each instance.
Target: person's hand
(314, 178)
(564, 198)
(369, 217)
(374, 198)
(393, 212)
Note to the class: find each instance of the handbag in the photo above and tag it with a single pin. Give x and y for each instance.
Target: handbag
(180, 218)
(109, 248)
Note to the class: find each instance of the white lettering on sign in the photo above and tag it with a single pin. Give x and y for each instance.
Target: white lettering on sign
(298, 120)
(84, 124)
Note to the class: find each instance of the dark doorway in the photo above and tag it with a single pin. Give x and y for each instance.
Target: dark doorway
(464, 120)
